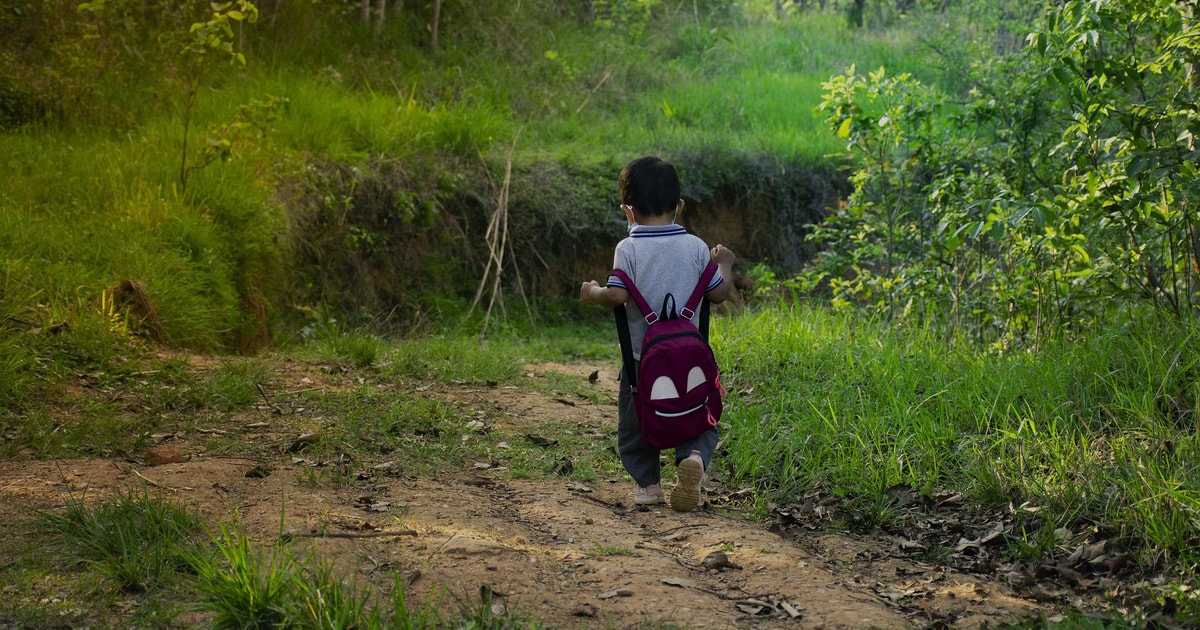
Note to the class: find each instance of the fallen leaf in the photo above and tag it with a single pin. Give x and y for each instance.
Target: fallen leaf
(303, 442)
(541, 441)
(563, 467)
(259, 471)
(894, 594)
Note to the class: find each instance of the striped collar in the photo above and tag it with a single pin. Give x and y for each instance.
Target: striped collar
(651, 231)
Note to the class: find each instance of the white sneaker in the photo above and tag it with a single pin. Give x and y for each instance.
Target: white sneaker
(686, 494)
(650, 495)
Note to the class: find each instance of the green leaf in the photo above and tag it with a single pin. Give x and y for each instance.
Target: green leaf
(844, 129)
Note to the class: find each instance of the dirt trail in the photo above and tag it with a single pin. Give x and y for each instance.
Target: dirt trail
(572, 555)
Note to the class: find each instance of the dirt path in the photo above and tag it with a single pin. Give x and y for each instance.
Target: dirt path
(567, 553)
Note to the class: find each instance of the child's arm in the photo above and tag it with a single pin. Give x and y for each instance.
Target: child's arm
(724, 257)
(609, 297)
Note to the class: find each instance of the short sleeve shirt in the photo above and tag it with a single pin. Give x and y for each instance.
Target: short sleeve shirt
(660, 259)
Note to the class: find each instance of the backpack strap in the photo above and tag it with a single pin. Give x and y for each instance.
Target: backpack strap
(626, 341)
(641, 302)
(693, 302)
(623, 335)
(689, 309)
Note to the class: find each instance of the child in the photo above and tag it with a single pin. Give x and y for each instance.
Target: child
(660, 257)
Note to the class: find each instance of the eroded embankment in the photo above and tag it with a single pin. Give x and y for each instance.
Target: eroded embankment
(388, 237)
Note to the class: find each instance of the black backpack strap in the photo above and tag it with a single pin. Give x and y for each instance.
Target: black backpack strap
(622, 317)
(626, 346)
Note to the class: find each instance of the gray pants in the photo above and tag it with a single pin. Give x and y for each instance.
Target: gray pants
(640, 461)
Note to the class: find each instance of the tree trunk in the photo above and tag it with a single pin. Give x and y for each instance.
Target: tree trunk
(381, 17)
(366, 11)
(433, 26)
(856, 13)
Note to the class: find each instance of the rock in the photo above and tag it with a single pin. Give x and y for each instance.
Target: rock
(719, 561)
(165, 454)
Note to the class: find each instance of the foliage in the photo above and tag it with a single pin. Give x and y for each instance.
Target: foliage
(211, 36)
(1010, 220)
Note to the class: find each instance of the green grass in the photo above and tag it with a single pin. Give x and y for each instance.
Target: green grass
(148, 547)
(1100, 432)
(246, 587)
(136, 539)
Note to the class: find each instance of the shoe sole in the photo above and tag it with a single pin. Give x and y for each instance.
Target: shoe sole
(685, 496)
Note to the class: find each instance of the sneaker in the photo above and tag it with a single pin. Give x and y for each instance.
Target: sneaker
(650, 495)
(686, 494)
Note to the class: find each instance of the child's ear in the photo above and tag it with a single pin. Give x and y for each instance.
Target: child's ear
(678, 209)
(628, 210)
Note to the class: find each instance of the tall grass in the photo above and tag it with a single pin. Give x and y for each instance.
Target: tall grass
(1098, 432)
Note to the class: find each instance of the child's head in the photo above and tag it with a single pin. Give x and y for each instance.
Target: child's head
(650, 185)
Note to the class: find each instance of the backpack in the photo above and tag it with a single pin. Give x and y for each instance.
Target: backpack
(677, 390)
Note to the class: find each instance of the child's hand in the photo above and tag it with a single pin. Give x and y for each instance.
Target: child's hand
(722, 255)
(585, 291)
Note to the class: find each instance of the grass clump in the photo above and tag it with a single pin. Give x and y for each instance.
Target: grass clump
(137, 539)
(246, 588)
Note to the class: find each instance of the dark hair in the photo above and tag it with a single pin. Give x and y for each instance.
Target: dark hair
(649, 184)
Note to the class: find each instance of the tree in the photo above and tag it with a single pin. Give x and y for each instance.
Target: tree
(196, 48)
(1067, 184)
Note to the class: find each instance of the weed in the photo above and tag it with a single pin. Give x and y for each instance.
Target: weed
(234, 385)
(243, 588)
(135, 538)
(598, 550)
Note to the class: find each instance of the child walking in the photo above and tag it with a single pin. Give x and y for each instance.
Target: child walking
(660, 257)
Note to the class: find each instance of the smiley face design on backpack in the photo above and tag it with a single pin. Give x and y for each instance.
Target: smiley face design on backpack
(665, 389)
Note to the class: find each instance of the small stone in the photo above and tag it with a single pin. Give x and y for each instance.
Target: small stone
(583, 610)
(165, 454)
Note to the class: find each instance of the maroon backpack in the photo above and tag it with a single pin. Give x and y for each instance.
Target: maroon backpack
(677, 389)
